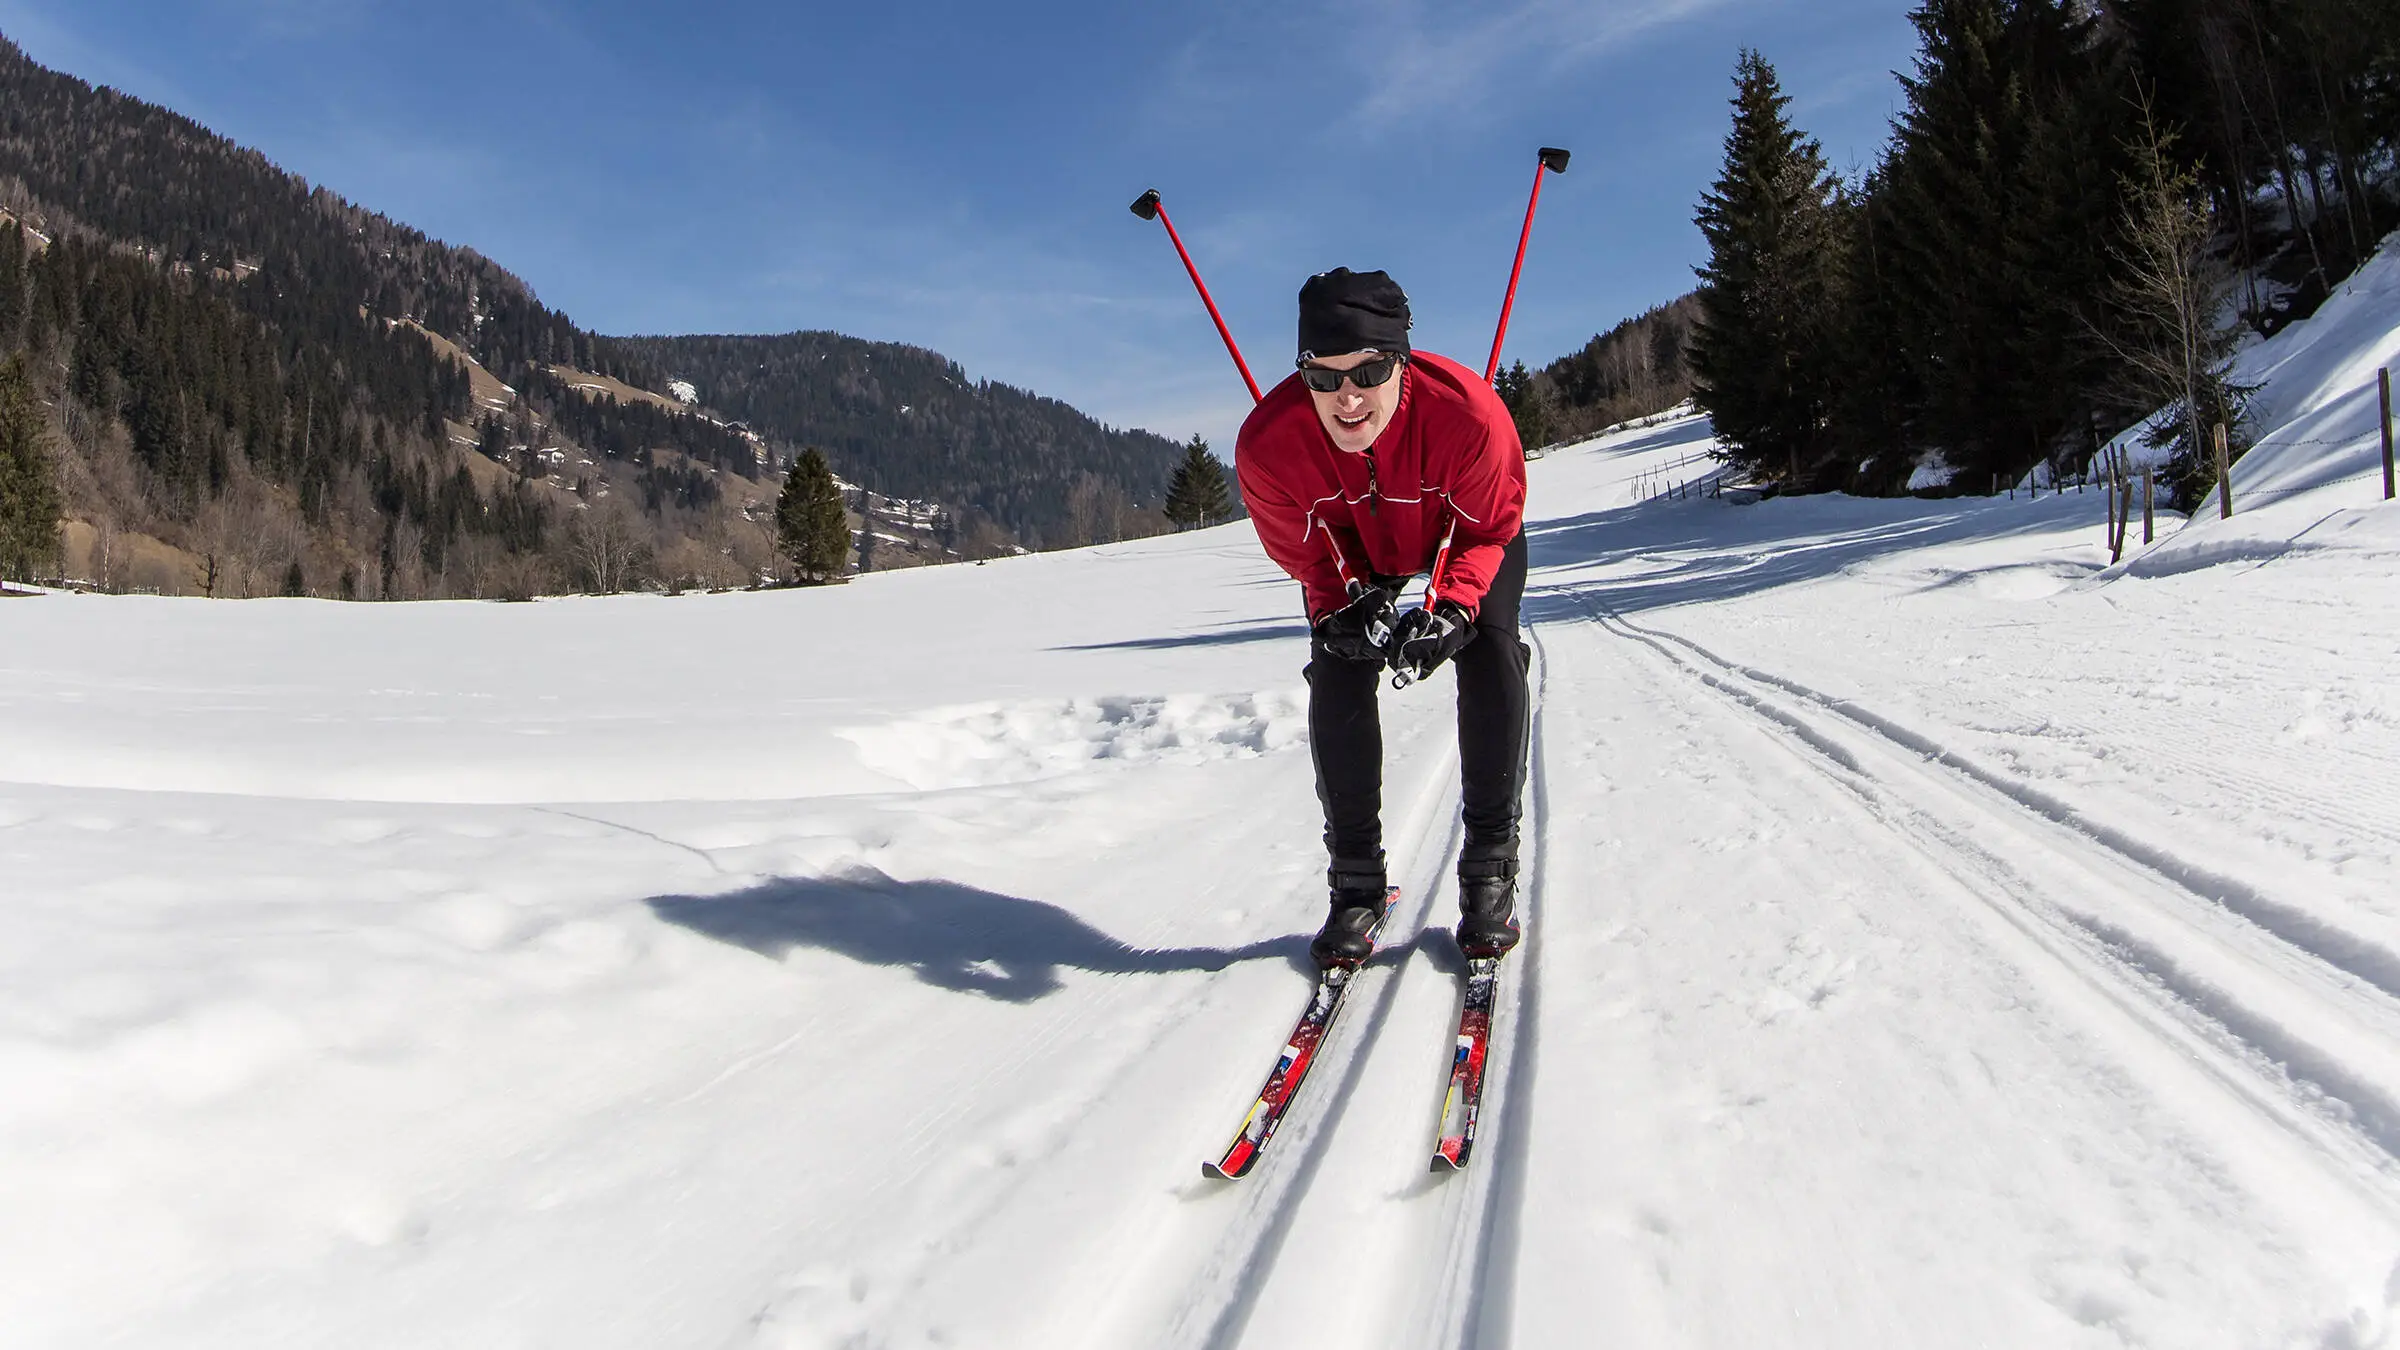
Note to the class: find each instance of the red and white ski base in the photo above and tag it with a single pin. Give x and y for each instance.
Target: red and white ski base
(1473, 1049)
(1291, 1067)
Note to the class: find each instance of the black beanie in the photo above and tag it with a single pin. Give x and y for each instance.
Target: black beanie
(1342, 311)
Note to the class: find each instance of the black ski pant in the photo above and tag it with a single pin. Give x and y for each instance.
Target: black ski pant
(1494, 724)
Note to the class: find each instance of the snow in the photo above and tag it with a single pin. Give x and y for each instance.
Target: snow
(1932, 471)
(683, 391)
(1938, 936)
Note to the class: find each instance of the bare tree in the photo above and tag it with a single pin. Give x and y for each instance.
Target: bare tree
(606, 546)
(2166, 303)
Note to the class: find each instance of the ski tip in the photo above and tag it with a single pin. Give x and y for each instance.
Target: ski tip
(1216, 1172)
(1443, 1164)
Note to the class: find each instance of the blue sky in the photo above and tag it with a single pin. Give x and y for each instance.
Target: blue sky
(956, 176)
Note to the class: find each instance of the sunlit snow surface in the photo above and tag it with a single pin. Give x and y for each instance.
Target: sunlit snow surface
(1937, 939)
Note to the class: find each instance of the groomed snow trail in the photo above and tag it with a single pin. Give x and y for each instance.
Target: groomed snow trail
(1935, 939)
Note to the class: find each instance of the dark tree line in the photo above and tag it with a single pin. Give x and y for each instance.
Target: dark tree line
(200, 379)
(910, 421)
(1639, 367)
(262, 349)
(1967, 295)
(631, 428)
(340, 286)
(133, 171)
(208, 390)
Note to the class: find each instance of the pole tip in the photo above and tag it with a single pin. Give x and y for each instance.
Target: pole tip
(1146, 205)
(1554, 159)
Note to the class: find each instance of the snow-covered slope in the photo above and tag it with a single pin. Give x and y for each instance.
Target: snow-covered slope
(2314, 473)
(1936, 939)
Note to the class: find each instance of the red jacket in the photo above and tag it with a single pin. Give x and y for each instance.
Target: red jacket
(1449, 458)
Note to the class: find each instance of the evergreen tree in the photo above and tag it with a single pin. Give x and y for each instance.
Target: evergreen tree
(1198, 494)
(29, 498)
(1759, 350)
(2000, 199)
(1877, 388)
(811, 527)
(12, 283)
(1530, 403)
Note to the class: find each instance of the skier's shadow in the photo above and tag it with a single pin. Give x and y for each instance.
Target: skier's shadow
(951, 936)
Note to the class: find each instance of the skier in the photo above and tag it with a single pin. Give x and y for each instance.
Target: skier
(1370, 464)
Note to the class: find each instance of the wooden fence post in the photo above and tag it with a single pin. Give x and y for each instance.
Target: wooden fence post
(2224, 477)
(2124, 480)
(2383, 382)
(2146, 489)
(2108, 506)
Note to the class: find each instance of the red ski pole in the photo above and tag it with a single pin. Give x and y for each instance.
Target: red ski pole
(1148, 208)
(1554, 160)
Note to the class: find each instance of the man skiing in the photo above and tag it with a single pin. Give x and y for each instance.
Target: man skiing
(1370, 464)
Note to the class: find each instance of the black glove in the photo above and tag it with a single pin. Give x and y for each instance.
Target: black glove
(1424, 638)
(1362, 629)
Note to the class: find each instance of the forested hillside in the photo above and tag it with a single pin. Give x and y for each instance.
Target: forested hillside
(2078, 205)
(1637, 368)
(250, 385)
(913, 424)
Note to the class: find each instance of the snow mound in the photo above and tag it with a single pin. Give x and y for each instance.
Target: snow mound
(988, 744)
(1933, 471)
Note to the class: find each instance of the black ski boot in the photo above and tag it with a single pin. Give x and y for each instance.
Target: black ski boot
(1356, 908)
(1487, 907)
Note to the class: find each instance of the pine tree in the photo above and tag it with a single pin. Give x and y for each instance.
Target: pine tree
(1530, 403)
(811, 527)
(2001, 201)
(29, 498)
(1759, 350)
(1877, 389)
(1198, 494)
(12, 283)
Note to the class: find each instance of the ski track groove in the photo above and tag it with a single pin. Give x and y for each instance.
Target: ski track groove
(925, 1135)
(1469, 1240)
(2317, 1097)
(2364, 807)
(1490, 1295)
(2308, 933)
(1272, 1196)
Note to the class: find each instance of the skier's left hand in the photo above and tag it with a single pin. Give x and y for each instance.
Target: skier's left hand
(1424, 638)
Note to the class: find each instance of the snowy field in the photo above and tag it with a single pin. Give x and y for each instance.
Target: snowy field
(1936, 938)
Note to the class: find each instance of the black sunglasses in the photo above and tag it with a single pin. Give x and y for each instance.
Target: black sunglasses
(1366, 375)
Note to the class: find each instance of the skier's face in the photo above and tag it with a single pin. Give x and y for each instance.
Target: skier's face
(1354, 417)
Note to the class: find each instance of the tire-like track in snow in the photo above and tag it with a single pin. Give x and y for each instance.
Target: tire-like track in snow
(2296, 1021)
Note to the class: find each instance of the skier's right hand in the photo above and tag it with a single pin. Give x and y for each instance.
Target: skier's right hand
(1362, 629)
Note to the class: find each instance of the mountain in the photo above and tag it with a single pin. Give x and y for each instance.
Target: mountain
(256, 384)
(914, 424)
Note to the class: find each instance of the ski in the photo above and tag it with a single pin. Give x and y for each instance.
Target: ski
(1292, 1066)
(1467, 1059)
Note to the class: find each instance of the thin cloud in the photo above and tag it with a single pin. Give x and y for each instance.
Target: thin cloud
(293, 20)
(1430, 61)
